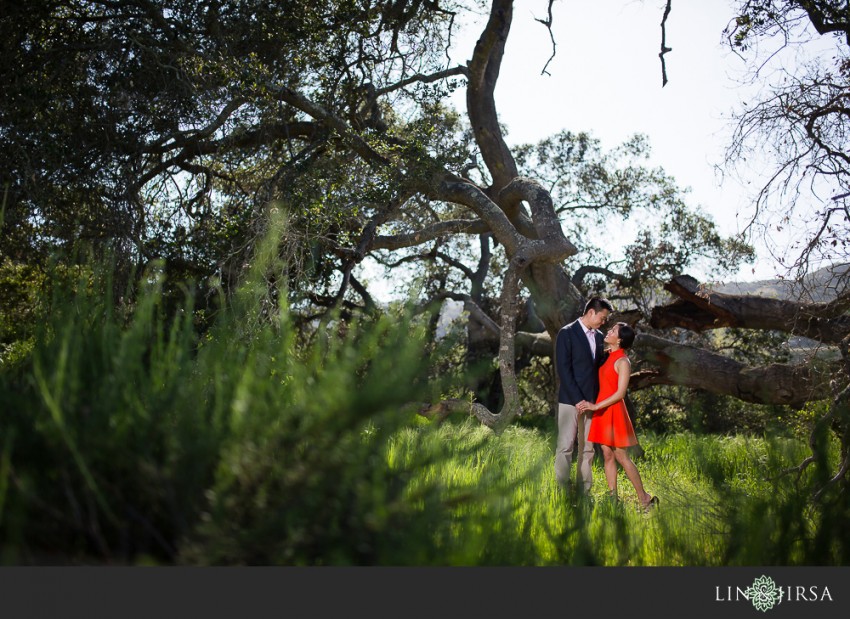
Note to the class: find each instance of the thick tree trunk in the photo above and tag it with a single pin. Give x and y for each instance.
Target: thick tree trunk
(534, 243)
(688, 366)
(482, 348)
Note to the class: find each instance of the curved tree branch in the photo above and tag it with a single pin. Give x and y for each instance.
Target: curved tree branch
(358, 144)
(480, 101)
(423, 79)
(437, 230)
(453, 189)
(547, 226)
(838, 19)
(583, 271)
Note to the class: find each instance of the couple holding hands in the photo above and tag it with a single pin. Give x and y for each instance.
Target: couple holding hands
(591, 407)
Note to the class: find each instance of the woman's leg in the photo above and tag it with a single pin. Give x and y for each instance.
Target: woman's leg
(610, 465)
(622, 456)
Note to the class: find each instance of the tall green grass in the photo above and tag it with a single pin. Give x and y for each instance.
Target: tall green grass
(724, 501)
(130, 437)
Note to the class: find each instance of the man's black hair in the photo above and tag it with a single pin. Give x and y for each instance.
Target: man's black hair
(597, 304)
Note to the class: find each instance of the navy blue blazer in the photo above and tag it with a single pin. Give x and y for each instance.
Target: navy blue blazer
(578, 369)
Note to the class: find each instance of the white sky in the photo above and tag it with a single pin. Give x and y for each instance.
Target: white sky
(606, 79)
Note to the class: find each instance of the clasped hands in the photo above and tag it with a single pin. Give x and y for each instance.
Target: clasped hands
(586, 407)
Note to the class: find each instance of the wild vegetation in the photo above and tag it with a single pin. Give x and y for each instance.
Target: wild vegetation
(134, 438)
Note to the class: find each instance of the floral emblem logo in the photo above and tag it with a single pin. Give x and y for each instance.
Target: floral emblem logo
(763, 593)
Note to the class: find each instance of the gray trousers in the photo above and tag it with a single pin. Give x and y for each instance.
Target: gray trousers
(572, 426)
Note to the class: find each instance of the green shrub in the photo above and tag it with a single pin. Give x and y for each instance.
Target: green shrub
(129, 438)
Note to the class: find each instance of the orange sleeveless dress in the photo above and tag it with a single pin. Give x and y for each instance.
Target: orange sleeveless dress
(611, 426)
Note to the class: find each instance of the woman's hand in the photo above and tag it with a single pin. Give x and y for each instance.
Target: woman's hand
(586, 407)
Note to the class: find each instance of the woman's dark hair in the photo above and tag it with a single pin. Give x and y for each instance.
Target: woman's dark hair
(627, 335)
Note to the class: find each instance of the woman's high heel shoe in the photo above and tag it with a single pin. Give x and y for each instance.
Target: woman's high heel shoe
(649, 505)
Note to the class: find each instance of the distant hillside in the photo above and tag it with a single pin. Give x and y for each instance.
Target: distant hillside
(821, 285)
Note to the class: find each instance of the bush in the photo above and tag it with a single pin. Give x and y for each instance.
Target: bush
(132, 438)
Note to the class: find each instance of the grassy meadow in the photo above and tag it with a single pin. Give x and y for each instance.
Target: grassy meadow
(723, 502)
(133, 437)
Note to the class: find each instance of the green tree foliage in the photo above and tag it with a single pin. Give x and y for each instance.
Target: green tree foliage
(162, 130)
(661, 234)
(160, 127)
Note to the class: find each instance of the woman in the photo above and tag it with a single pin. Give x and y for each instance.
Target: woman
(611, 427)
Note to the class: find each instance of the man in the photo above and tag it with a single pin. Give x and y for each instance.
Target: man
(578, 355)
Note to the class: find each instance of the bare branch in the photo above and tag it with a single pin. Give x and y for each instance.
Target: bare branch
(453, 189)
(423, 79)
(469, 305)
(367, 237)
(440, 410)
(664, 48)
(584, 270)
(369, 302)
(548, 23)
(437, 230)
